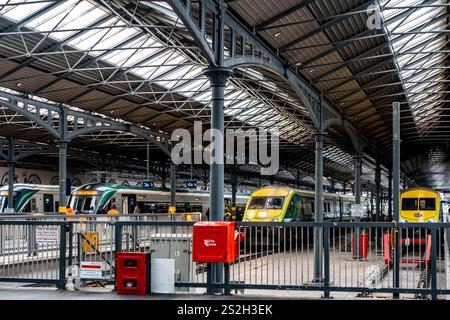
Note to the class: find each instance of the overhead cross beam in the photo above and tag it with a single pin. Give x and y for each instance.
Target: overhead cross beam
(261, 26)
(327, 25)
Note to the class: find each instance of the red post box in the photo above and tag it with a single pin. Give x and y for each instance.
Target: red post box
(132, 273)
(363, 246)
(214, 242)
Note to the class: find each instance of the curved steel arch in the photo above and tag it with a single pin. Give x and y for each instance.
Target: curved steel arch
(12, 102)
(260, 55)
(81, 122)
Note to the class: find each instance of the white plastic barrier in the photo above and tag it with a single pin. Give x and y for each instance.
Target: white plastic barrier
(163, 276)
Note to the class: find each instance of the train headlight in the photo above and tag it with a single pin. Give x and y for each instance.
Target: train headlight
(431, 220)
(402, 220)
(262, 214)
(275, 220)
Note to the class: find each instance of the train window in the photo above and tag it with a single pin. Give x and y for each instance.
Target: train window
(427, 204)
(409, 204)
(266, 203)
(257, 203)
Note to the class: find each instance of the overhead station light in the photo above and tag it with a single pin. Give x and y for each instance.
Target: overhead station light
(277, 34)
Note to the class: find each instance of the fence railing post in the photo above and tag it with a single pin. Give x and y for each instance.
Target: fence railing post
(326, 261)
(117, 237)
(227, 289)
(433, 268)
(62, 257)
(396, 259)
(209, 289)
(70, 260)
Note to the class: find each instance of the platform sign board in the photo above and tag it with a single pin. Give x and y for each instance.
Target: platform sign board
(148, 184)
(47, 234)
(172, 209)
(91, 270)
(357, 210)
(191, 184)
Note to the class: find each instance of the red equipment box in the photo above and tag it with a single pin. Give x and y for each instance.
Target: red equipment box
(132, 273)
(214, 242)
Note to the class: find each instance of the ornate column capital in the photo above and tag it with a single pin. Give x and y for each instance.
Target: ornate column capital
(218, 76)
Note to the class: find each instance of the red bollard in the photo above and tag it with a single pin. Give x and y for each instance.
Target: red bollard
(363, 246)
(387, 249)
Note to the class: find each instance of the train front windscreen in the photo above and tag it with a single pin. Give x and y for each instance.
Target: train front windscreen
(85, 201)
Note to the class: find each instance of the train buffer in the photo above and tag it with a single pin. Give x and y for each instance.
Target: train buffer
(389, 247)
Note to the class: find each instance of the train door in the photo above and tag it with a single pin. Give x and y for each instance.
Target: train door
(131, 203)
(48, 203)
(293, 208)
(340, 209)
(301, 214)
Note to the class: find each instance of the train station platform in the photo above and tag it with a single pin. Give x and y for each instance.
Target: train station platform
(51, 293)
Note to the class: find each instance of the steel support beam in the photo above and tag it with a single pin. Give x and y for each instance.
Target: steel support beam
(377, 191)
(234, 185)
(358, 170)
(390, 195)
(357, 218)
(173, 185)
(318, 208)
(361, 8)
(396, 160)
(396, 186)
(62, 145)
(10, 175)
(218, 78)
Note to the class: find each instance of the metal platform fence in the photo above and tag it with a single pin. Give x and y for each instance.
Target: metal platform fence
(360, 257)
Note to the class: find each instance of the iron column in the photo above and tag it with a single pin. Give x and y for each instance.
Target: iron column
(358, 167)
(318, 208)
(358, 161)
(390, 195)
(62, 145)
(173, 185)
(396, 185)
(377, 191)
(10, 174)
(234, 183)
(218, 78)
(396, 161)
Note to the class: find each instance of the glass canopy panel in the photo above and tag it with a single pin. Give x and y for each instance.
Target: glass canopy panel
(18, 12)
(417, 37)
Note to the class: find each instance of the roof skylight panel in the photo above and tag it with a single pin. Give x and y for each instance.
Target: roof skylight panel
(23, 10)
(89, 38)
(165, 62)
(54, 17)
(418, 50)
(194, 86)
(123, 55)
(115, 36)
(138, 55)
(81, 17)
